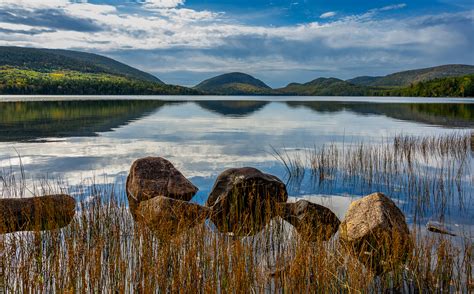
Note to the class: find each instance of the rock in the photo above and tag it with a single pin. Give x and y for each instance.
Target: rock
(36, 213)
(168, 217)
(243, 200)
(155, 176)
(439, 228)
(312, 221)
(374, 230)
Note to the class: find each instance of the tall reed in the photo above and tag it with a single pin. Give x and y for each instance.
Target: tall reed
(104, 250)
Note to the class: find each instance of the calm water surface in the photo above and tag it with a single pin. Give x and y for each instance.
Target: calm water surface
(98, 138)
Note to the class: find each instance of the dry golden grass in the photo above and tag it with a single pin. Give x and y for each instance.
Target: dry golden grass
(104, 250)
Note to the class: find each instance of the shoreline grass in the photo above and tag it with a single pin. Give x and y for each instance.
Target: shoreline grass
(104, 250)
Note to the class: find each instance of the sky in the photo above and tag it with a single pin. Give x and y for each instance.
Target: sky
(186, 41)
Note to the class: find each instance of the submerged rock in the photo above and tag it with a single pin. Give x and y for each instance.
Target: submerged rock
(168, 217)
(155, 176)
(374, 230)
(312, 221)
(36, 213)
(243, 200)
(439, 228)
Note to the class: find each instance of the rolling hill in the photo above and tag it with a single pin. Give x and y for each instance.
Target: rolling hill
(37, 71)
(324, 87)
(51, 60)
(31, 71)
(462, 86)
(234, 84)
(405, 78)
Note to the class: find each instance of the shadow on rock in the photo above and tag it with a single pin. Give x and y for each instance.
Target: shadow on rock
(313, 222)
(243, 200)
(168, 217)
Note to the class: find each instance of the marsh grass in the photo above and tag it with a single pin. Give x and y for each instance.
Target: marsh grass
(104, 250)
(428, 175)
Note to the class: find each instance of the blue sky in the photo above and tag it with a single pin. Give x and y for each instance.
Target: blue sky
(186, 41)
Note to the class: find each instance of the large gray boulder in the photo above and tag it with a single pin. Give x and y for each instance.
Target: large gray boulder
(168, 217)
(312, 221)
(243, 200)
(155, 176)
(374, 230)
(36, 213)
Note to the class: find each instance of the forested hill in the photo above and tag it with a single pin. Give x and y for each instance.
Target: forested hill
(51, 60)
(324, 87)
(409, 77)
(29, 71)
(235, 83)
(462, 86)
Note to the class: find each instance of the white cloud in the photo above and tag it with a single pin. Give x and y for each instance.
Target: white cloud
(393, 7)
(163, 3)
(182, 27)
(213, 41)
(328, 14)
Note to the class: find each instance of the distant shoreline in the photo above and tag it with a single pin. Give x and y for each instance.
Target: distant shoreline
(369, 99)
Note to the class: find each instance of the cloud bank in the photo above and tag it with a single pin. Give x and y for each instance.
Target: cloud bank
(168, 39)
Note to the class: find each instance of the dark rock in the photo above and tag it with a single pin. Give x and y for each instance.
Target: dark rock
(168, 217)
(155, 176)
(36, 213)
(374, 230)
(312, 221)
(243, 200)
(439, 228)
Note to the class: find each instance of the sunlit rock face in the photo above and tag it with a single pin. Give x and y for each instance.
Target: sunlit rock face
(243, 200)
(168, 217)
(151, 177)
(36, 213)
(374, 230)
(312, 221)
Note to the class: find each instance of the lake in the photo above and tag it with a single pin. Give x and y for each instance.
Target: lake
(75, 141)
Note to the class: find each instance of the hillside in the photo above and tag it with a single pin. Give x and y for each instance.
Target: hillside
(324, 87)
(405, 78)
(462, 86)
(16, 81)
(30, 71)
(50, 60)
(234, 84)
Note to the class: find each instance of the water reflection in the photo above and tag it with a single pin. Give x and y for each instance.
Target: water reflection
(78, 140)
(233, 108)
(23, 121)
(447, 115)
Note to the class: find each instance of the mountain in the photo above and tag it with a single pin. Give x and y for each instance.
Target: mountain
(51, 60)
(234, 84)
(31, 71)
(15, 81)
(405, 78)
(462, 86)
(440, 81)
(324, 87)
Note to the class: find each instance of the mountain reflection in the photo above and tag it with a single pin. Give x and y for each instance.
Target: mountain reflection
(233, 108)
(25, 121)
(446, 115)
